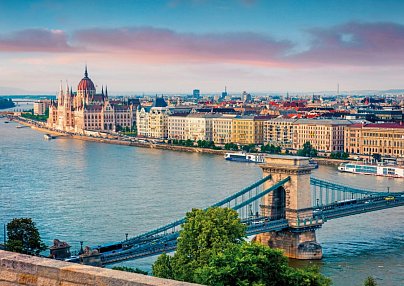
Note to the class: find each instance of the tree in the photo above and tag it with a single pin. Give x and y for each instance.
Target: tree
(129, 269)
(211, 250)
(231, 146)
(307, 151)
(248, 264)
(24, 237)
(370, 281)
(255, 264)
(203, 235)
(249, 148)
(162, 267)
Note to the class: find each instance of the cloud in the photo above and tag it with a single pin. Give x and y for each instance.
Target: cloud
(168, 44)
(36, 40)
(353, 44)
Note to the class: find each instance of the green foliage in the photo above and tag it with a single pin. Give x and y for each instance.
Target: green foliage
(306, 277)
(339, 155)
(271, 149)
(6, 103)
(249, 148)
(162, 267)
(211, 250)
(205, 144)
(118, 128)
(129, 269)
(370, 281)
(186, 143)
(203, 235)
(231, 146)
(30, 115)
(24, 237)
(246, 264)
(307, 151)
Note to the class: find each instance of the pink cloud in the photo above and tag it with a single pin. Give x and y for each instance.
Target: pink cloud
(170, 45)
(354, 44)
(36, 40)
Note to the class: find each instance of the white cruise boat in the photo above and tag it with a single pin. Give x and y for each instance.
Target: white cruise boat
(245, 157)
(377, 169)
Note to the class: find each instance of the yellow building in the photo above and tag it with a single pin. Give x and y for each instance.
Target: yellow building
(222, 129)
(248, 129)
(325, 135)
(386, 139)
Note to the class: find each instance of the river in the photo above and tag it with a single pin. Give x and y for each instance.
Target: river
(76, 190)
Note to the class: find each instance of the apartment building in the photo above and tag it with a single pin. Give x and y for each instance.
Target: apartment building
(279, 132)
(386, 139)
(325, 135)
(40, 106)
(248, 129)
(222, 129)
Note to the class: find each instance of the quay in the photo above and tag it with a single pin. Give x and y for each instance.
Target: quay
(116, 139)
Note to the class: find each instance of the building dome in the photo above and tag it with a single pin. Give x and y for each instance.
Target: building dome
(86, 83)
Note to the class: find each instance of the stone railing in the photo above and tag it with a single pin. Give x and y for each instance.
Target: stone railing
(19, 269)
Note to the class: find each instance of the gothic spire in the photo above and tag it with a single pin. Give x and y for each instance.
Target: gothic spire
(106, 91)
(102, 89)
(85, 72)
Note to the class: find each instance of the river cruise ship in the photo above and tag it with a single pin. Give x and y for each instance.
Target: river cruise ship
(245, 157)
(378, 169)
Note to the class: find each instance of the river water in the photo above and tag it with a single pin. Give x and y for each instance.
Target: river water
(76, 190)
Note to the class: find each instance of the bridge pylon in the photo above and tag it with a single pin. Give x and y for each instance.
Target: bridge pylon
(293, 202)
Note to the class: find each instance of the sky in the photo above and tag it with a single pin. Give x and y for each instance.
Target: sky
(175, 46)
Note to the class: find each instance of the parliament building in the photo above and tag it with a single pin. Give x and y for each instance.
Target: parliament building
(86, 110)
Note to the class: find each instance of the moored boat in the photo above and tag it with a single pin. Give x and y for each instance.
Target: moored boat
(48, 137)
(245, 157)
(378, 169)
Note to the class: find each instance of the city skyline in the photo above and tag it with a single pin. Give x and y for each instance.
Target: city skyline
(176, 46)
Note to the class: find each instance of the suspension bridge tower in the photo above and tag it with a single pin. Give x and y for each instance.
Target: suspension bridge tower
(292, 201)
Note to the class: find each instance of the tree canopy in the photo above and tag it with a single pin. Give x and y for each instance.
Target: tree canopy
(307, 151)
(370, 281)
(24, 237)
(211, 250)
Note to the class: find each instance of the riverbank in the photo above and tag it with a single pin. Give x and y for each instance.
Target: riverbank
(119, 141)
(163, 146)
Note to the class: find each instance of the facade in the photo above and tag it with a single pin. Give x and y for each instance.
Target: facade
(386, 139)
(176, 126)
(40, 106)
(222, 129)
(87, 110)
(325, 135)
(248, 129)
(198, 126)
(193, 126)
(152, 122)
(279, 132)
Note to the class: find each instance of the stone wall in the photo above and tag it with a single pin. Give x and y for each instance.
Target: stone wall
(19, 269)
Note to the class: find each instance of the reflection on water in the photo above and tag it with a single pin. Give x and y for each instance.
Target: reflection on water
(77, 190)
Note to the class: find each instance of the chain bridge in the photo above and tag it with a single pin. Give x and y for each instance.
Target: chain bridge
(282, 210)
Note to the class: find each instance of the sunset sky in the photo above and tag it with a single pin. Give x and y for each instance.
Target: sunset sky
(176, 46)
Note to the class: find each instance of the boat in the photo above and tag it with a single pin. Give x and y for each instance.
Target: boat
(313, 163)
(6, 122)
(245, 157)
(370, 168)
(20, 126)
(48, 137)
